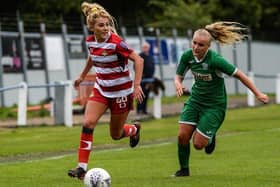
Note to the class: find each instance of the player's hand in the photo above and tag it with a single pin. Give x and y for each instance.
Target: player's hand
(77, 82)
(179, 88)
(263, 98)
(138, 93)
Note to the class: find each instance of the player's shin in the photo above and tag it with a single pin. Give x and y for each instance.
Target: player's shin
(184, 155)
(86, 139)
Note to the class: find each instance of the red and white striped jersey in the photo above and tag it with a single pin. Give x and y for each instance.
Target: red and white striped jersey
(110, 59)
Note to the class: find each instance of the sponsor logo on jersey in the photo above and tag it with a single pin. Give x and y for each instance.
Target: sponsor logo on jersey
(203, 77)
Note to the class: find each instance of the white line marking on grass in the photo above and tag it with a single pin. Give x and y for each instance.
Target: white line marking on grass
(147, 145)
(95, 152)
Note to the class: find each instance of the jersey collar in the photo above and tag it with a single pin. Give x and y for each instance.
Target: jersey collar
(198, 61)
(107, 38)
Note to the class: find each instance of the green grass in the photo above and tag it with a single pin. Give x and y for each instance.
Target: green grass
(11, 113)
(247, 154)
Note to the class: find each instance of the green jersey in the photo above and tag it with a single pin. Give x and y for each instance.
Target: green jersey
(208, 89)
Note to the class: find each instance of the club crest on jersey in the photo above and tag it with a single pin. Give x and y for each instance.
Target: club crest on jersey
(204, 66)
(104, 53)
(123, 45)
(191, 61)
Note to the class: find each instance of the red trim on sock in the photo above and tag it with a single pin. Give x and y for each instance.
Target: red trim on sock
(85, 147)
(129, 130)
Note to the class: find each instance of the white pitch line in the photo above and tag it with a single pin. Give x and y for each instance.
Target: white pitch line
(125, 148)
(95, 152)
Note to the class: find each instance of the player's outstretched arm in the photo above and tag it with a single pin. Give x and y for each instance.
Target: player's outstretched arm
(249, 84)
(138, 68)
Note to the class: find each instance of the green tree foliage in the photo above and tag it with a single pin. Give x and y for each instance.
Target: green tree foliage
(262, 16)
(248, 12)
(49, 8)
(270, 14)
(179, 14)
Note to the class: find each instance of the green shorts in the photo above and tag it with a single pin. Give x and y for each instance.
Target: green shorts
(206, 120)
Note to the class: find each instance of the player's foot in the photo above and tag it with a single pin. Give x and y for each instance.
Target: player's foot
(211, 147)
(134, 140)
(183, 172)
(78, 172)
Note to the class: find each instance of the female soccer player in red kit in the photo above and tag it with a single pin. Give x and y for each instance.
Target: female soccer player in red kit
(114, 88)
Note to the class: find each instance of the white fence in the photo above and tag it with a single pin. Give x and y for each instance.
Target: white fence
(62, 104)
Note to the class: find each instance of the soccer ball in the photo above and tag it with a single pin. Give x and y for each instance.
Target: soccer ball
(97, 177)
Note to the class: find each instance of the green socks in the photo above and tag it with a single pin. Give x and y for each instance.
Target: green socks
(184, 155)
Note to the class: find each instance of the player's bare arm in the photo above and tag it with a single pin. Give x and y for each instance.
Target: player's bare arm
(178, 85)
(249, 84)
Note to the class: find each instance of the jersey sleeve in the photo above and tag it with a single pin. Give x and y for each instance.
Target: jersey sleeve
(183, 65)
(223, 65)
(123, 49)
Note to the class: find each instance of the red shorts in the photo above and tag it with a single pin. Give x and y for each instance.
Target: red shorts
(116, 105)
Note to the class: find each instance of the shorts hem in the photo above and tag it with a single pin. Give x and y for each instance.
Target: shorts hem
(202, 134)
(187, 123)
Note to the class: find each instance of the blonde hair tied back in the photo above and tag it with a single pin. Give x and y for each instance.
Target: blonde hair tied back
(93, 10)
(227, 32)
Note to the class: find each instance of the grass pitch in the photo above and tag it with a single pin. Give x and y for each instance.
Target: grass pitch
(247, 154)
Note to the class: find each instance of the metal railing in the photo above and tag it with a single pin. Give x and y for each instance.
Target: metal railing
(62, 104)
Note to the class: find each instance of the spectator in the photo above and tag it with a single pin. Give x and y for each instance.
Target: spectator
(147, 77)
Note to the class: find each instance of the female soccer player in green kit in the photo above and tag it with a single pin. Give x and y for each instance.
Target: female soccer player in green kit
(204, 111)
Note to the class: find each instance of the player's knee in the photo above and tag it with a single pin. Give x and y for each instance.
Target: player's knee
(116, 136)
(89, 123)
(182, 139)
(198, 145)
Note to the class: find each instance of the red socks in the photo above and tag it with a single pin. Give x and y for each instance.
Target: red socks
(86, 139)
(129, 130)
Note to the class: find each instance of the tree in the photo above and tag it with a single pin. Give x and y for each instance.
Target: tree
(179, 14)
(247, 12)
(262, 16)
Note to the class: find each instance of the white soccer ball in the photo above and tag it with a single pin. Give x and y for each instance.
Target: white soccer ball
(97, 177)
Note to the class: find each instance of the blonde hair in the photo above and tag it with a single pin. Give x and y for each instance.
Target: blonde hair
(93, 11)
(227, 32)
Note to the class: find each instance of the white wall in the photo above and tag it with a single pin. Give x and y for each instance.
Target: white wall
(265, 57)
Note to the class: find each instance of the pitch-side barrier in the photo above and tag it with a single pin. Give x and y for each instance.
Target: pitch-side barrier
(62, 104)
(62, 107)
(251, 101)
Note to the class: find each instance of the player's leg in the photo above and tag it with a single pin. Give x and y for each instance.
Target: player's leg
(184, 136)
(141, 108)
(94, 110)
(119, 129)
(200, 141)
(146, 92)
(205, 134)
(187, 125)
(120, 108)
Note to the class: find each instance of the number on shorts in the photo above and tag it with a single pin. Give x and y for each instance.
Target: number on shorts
(121, 101)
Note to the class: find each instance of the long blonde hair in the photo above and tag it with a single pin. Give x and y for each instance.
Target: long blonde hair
(227, 32)
(93, 11)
